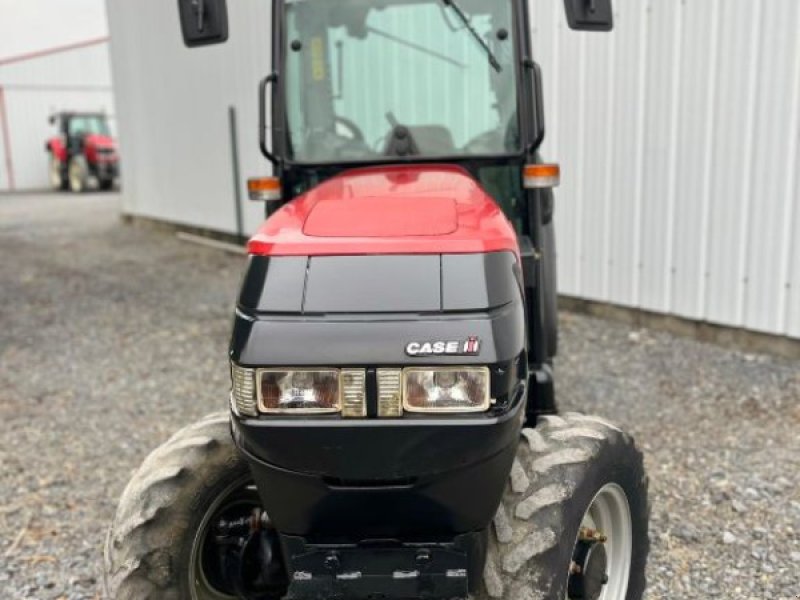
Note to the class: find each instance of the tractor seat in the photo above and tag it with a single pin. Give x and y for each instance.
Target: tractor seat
(428, 140)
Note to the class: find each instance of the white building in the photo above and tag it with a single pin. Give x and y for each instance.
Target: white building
(678, 137)
(33, 86)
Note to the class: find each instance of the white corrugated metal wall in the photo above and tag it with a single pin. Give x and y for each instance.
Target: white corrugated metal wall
(678, 136)
(33, 87)
(173, 105)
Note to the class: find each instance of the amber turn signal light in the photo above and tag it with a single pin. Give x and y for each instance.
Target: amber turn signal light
(264, 189)
(542, 176)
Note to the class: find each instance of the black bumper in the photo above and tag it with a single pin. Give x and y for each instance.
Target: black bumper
(104, 170)
(409, 479)
(390, 509)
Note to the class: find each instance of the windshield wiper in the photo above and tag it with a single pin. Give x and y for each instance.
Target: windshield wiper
(465, 20)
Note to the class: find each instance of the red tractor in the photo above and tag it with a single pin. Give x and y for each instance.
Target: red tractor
(83, 150)
(391, 431)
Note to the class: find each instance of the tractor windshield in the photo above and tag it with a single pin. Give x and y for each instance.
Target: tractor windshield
(372, 80)
(88, 124)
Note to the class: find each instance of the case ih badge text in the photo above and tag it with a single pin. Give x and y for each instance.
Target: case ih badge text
(468, 347)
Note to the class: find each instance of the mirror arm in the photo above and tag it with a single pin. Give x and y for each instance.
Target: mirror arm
(200, 11)
(262, 125)
(538, 102)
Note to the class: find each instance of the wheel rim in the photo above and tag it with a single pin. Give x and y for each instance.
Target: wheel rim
(610, 513)
(75, 176)
(240, 496)
(55, 172)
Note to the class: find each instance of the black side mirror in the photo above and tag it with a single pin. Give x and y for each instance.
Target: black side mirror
(203, 22)
(589, 15)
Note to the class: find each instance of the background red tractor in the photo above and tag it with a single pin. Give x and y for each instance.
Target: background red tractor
(83, 152)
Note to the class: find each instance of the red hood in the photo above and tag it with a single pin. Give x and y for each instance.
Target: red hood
(389, 210)
(100, 141)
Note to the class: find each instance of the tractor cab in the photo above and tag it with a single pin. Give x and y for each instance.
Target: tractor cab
(373, 85)
(74, 126)
(399, 82)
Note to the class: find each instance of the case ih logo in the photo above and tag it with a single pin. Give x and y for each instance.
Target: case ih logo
(468, 347)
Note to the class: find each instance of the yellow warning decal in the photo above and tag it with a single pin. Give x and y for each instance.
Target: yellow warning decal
(317, 59)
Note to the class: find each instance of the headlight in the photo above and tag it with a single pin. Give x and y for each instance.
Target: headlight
(328, 391)
(298, 391)
(446, 389)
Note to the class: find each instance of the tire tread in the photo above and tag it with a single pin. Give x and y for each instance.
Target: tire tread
(137, 558)
(529, 525)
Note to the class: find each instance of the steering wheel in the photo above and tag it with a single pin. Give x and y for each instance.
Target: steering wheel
(355, 131)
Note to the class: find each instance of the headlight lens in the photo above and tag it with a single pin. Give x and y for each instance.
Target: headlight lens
(446, 389)
(298, 391)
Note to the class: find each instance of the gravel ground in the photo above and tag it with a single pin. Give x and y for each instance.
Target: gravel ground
(112, 337)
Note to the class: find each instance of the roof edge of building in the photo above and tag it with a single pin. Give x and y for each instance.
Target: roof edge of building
(54, 50)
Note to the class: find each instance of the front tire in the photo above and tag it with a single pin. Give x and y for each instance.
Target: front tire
(77, 174)
(57, 180)
(573, 474)
(166, 510)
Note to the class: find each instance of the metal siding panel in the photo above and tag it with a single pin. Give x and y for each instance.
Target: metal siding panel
(593, 173)
(730, 163)
(579, 158)
(639, 180)
(790, 253)
(570, 89)
(624, 134)
(709, 129)
(691, 147)
(661, 73)
(793, 294)
(607, 134)
(750, 136)
(698, 215)
(672, 168)
(765, 279)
